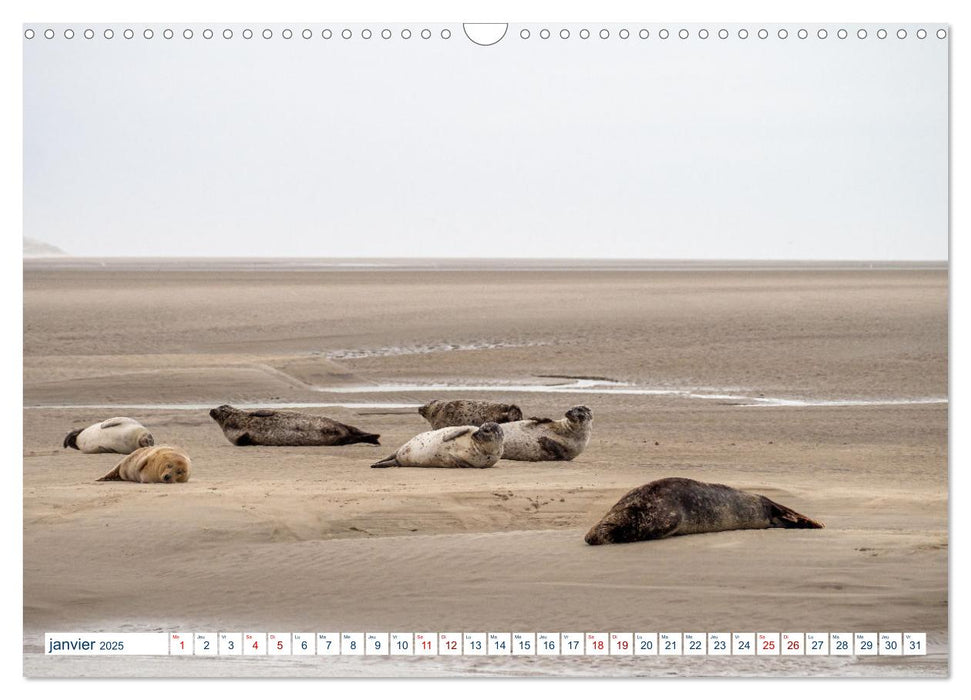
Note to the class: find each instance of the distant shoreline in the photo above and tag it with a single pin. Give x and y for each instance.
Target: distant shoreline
(464, 264)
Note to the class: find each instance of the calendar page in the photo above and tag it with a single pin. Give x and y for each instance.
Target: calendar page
(589, 349)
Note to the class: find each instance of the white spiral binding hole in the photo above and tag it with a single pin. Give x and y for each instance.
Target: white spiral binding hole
(524, 33)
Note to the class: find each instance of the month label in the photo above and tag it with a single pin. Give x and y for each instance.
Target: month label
(107, 644)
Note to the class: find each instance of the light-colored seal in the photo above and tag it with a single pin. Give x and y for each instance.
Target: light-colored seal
(443, 414)
(285, 428)
(544, 439)
(465, 446)
(152, 465)
(121, 435)
(678, 506)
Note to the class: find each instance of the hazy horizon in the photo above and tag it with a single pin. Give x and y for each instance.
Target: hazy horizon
(648, 149)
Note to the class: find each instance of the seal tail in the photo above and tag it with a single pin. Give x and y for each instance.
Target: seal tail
(780, 516)
(391, 461)
(355, 436)
(113, 475)
(72, 439)
(369, 438)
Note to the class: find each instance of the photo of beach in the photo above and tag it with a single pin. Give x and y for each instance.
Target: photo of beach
(821, 387)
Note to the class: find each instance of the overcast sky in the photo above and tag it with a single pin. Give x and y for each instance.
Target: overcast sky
(779, 149)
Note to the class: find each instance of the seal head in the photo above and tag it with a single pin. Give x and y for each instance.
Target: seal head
(490, 434)
(580, 415)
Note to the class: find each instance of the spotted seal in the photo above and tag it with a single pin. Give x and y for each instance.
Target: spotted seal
(677, 506)
(443, 414)
(545, 439)
(160, 464)
(285, 428)
(121, 435)
(465, 446)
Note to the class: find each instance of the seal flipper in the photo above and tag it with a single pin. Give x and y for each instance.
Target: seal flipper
(113, 475)
(72, 439)
(554, 451)
(457, 434)
(244, 440)
(780, 516)
(354, 435)
(391, 461)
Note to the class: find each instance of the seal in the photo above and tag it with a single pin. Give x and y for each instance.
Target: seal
(464, 446)
(160, 464)
(285, 428)
(545, 439)
(444, 414)
(677, 506)
(121, 435)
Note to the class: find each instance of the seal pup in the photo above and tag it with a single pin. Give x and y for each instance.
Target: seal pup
(677, 506)
(160, 464)
(285, 428)
(444, 414)
(545, 439)
(121, 435)
(464, 446)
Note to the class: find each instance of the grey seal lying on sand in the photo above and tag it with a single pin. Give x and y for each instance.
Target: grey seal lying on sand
(677, 506)
(285, 428)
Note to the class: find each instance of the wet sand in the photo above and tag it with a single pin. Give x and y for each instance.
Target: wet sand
(824, 389)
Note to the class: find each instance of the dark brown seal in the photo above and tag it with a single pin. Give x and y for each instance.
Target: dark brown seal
(444, 414)
(285, 428)
(678, 506)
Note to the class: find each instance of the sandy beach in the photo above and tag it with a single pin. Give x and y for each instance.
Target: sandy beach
(823, 388)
